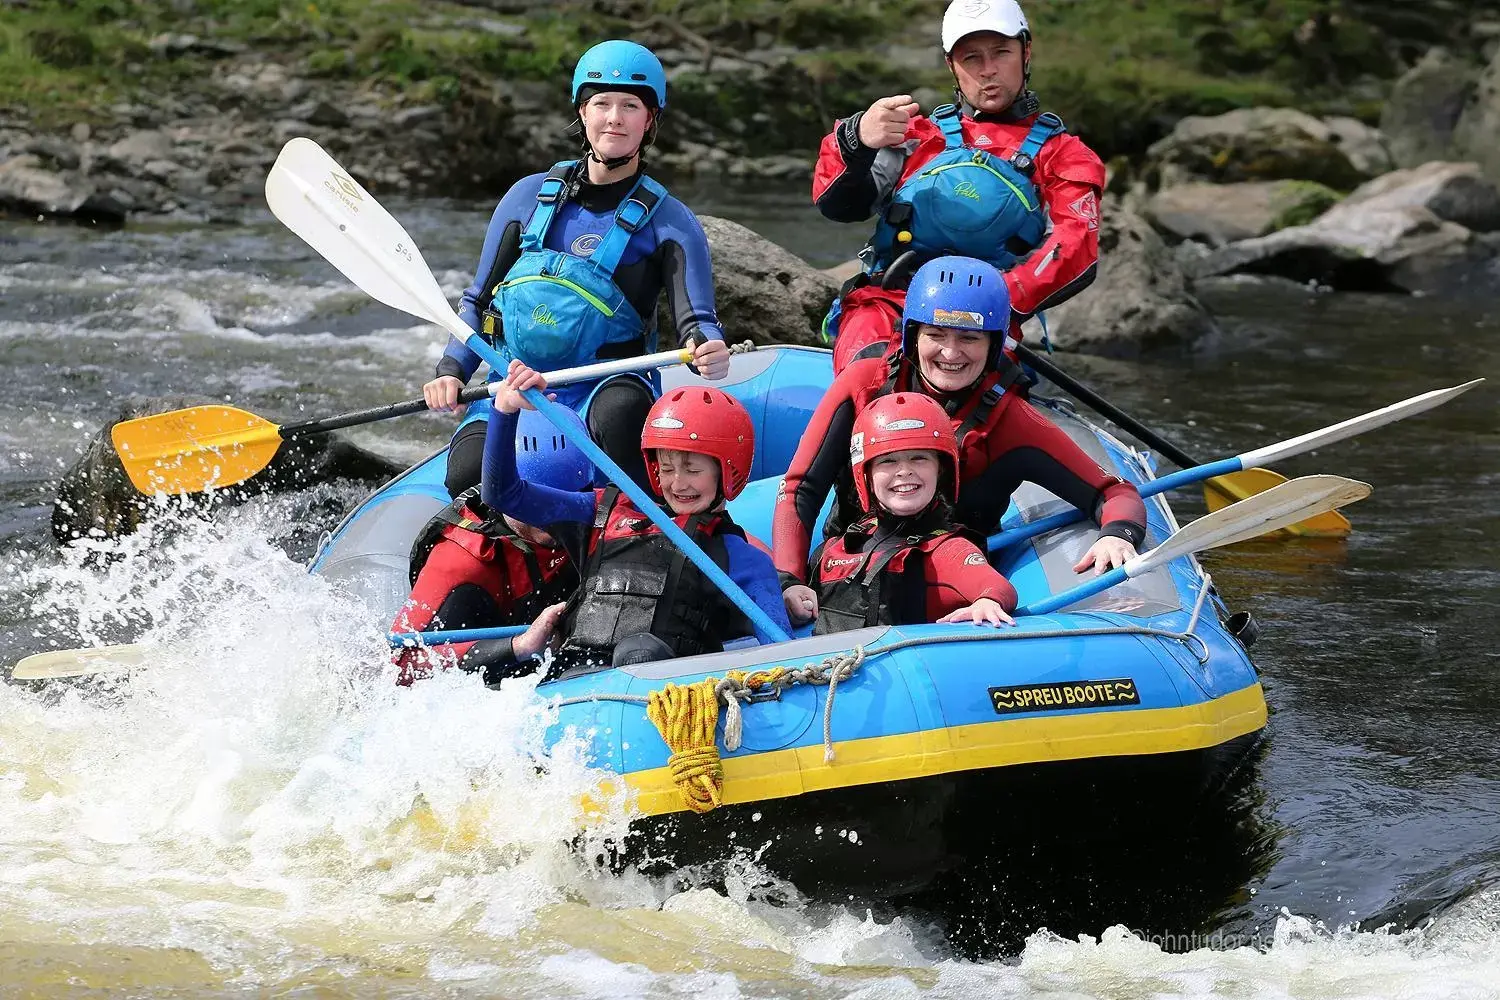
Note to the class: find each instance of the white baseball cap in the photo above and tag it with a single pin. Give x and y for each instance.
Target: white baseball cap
(965, 17)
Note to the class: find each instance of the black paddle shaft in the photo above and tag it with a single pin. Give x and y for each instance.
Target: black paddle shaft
(1105, 408)
(374, 413)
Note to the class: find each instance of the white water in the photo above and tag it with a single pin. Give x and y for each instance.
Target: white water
(263, 807)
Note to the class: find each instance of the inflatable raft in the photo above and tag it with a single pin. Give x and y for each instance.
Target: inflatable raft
(877, 777)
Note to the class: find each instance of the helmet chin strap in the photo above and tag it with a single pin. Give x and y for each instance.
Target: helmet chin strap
(610, 163)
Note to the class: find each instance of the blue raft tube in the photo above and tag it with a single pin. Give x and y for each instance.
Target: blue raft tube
(877, 752)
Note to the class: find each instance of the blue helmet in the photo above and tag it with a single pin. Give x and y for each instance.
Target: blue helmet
(621, 65)
(959, 292)
(545, 456)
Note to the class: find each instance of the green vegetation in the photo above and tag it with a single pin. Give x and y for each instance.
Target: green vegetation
(1302, 201)
(1118, 71)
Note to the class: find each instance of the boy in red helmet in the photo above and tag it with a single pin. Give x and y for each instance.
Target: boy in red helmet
(640, 597)
(903, 562)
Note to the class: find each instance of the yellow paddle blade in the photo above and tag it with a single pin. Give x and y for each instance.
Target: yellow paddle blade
(1221, 491)
(187, 451)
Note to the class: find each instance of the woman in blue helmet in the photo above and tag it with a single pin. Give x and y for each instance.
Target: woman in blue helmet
(953, 327)
(575, 260)
(474, 568)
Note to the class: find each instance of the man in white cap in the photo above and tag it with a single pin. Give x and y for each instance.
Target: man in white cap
(989, 176)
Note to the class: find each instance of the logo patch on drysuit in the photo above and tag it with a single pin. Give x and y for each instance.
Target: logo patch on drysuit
(961, 318)
(1087, 208)
(667, 423)
(586, 244)
(975, 559)
(905, 424)
(982, 140)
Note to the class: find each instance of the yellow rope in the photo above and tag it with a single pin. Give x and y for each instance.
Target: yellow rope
(685, 715)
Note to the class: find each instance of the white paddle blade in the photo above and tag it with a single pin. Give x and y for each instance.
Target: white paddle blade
(1292, 501)
(79, 662)
(318, 200)
(1354, 425)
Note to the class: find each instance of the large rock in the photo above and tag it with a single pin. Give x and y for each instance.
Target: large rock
(1424, 106)
(95, 497)
(1140, 299)
(1477, 135)
(763, 292)
(29, 190)
(1397, 233)
(1218, 214)
(1455, 192)
(1258, 144)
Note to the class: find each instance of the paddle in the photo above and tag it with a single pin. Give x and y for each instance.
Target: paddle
(318, 200)
(1277, 507)
(104, 659)
(214, 446)
(1217, 492)
(1271, 453)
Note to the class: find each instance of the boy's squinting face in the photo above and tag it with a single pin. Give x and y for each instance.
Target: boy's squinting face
(688, 480)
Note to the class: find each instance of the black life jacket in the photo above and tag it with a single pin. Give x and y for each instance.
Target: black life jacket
(637, 581)
(537, 580)
(875, 572)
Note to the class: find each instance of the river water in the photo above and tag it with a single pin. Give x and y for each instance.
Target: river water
(261, 812)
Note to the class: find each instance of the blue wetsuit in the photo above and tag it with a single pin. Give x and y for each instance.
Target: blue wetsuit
(669, 253)
(569, 517)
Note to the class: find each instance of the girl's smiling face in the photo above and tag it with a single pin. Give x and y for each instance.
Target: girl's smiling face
(689, 481)
(904, 482)
(615, 123)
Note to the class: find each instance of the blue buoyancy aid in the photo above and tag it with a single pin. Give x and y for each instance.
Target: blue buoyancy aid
(967, 201)
(558, 309)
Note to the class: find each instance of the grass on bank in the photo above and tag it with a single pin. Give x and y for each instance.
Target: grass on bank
(1118, 71)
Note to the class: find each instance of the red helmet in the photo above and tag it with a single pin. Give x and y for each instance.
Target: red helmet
(705, 420)
(901, 421)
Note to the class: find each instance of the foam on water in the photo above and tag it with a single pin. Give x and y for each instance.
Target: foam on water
(263, 798)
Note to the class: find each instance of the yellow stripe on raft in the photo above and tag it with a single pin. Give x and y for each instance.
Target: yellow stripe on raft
(1002, 743)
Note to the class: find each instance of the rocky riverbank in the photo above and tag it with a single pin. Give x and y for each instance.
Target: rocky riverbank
(111, 111)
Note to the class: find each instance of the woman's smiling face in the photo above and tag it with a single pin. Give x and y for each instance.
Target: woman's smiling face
(951, 359)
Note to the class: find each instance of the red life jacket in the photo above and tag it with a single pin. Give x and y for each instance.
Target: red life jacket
(636, 581)
(536, 576)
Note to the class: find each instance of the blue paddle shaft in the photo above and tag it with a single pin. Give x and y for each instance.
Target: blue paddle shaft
(401, 639)
(648, 506)
(1183, 477)
(1087, 589)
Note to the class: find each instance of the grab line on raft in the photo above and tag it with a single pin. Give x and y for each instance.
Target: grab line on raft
(686, 714)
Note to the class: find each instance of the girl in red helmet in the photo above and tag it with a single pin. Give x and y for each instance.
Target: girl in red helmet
(640, 597)
(903, 562)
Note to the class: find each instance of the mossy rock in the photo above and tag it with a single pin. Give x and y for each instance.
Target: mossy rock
(1300, 202)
